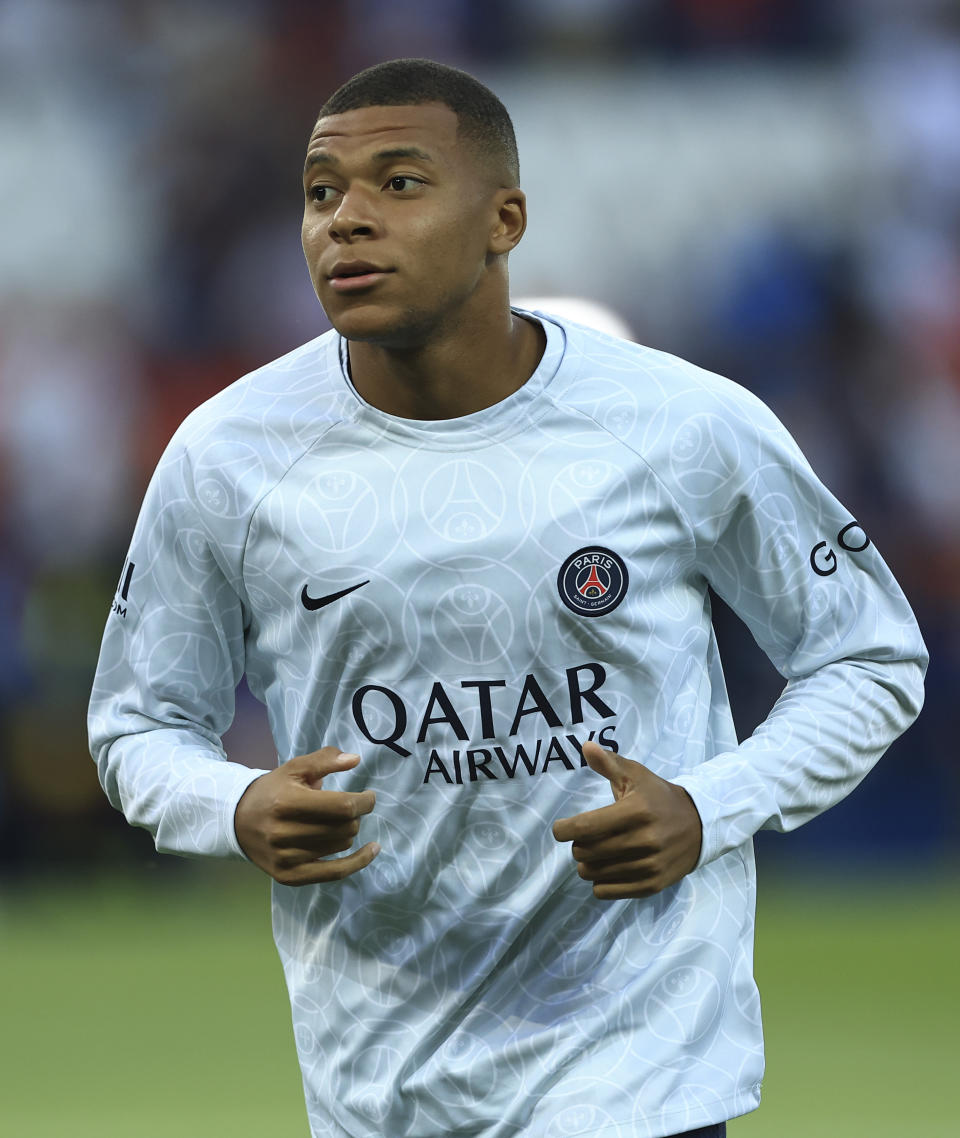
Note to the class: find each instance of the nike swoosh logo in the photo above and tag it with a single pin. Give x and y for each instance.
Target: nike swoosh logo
(314, 603)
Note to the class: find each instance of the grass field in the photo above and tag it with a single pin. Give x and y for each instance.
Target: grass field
(157, 1009)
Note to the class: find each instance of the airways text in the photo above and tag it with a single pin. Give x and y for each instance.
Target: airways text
(384, 718)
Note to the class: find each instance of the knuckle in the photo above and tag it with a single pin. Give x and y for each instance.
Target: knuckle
(639, 815)
(281, 808)
(336, 870)
(656, 839)
(342, 806)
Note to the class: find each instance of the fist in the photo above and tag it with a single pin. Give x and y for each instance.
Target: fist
(288, 824)
(646, 839)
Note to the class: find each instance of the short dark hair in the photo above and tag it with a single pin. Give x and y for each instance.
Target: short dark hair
(482, 118)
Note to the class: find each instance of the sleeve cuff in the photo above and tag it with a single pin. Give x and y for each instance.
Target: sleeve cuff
(731, 811)
(249, 776)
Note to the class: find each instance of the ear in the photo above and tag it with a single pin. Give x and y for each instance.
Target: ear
(510, 221)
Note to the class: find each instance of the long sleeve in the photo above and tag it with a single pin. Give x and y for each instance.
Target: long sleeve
(172, 655)
(822, 604)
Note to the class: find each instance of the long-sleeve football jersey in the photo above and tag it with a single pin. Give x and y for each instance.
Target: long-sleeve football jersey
(463, 603)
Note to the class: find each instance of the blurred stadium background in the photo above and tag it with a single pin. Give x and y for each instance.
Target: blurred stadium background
(770, 188)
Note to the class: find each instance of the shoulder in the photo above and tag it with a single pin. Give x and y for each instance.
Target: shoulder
(229, 452)
(661, 406)
(637, 392)
(288, 401)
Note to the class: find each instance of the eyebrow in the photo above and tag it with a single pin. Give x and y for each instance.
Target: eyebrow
(322, 158)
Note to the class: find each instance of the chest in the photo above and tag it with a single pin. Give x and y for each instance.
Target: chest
(489, 558)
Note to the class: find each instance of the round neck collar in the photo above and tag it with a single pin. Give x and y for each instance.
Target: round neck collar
(506, 417)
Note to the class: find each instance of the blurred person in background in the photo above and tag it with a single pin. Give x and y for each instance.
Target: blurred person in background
(461, 551)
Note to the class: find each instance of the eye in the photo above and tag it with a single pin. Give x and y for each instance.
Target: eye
(320, 193)
(401, 182)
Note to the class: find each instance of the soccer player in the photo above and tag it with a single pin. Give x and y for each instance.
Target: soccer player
(462, 553)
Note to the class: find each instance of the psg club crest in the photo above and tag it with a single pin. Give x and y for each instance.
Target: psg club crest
(592, 581)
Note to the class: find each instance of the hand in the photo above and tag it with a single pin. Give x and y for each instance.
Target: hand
(647, 839)
(286, 824)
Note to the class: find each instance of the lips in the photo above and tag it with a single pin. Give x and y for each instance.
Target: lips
(353, 269)
(352, 276)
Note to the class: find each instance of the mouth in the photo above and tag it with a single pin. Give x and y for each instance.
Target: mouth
(355, 275)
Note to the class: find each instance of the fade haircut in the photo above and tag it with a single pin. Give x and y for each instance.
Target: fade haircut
(481, 118)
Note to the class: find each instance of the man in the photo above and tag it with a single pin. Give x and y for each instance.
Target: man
(462, 553)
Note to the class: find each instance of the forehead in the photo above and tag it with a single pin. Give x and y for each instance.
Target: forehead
(432, 126)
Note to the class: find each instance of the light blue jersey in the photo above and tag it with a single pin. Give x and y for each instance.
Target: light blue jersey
(464, 603)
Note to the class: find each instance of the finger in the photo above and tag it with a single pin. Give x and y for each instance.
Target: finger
(329, 869)
(290, 859)
(313, 837)
(626, 776)
(621, 891)
(637, 872)
(594, 825)
(330, 807)
(311, 768)
(607, 763)
(621, 773)
(630, 845)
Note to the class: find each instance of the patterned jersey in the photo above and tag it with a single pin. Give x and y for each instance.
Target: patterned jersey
(464, 603)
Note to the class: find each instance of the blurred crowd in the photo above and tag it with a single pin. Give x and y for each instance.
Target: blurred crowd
(149, 255)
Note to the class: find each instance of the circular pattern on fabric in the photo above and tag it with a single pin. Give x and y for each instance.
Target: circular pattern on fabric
(592, 581)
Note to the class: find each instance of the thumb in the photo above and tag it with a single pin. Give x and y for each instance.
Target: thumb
(621, 773)
(311, 768)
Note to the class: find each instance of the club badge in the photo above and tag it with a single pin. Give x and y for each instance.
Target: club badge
(592, 581)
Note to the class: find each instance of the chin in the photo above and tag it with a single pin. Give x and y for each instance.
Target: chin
(368, 325)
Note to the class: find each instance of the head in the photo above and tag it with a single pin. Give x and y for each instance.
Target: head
(411, 172)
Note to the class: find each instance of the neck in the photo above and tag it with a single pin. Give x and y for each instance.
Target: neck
(453, 374)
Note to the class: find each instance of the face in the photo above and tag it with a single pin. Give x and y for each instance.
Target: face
(401, 223)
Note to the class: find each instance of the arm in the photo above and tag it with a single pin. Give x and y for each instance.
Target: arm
(776, 545)
(819, 600)
(171, 658)
(172, 655)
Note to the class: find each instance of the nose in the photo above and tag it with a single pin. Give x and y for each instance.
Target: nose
(354, 217)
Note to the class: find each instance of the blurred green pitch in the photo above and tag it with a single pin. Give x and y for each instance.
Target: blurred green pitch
(158, 1008)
